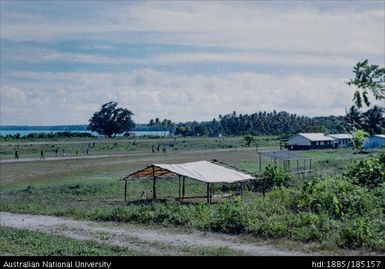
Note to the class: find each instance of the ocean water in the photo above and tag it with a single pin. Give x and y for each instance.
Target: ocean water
(27, 132)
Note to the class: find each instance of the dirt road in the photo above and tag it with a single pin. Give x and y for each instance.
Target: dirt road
(145, 240)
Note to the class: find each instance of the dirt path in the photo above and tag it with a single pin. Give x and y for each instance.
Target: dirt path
(145, 240)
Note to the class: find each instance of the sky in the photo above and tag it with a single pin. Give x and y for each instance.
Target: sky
(182, 60)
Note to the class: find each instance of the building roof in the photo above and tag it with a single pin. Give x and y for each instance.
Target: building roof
(380, 136)
(316, 136)
(284, 155)
(203, 171)
(341, 136)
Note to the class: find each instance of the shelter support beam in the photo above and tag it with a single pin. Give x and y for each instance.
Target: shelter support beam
(208, 193)
(179, 187)
(153, 184)
(125, 190)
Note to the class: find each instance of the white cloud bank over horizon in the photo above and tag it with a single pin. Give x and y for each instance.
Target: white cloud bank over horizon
(150, 94)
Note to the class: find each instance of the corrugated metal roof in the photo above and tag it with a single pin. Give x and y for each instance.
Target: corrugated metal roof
(380, 136)
(316, 136)
(341, 136)
(203, 171)
(284, 155)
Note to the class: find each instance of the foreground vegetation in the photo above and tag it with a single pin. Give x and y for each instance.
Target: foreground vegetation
(344, 210)
(30, 243)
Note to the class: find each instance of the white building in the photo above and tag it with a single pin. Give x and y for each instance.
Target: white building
(311, 141)
(344, 140)
(374, 141)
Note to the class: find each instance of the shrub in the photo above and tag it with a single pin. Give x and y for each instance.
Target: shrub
(335, 197)
(355, 233)
(228, 216)
(275, 176)
(369, 172)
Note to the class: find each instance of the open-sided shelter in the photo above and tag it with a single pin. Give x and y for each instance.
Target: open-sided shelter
(204, 171)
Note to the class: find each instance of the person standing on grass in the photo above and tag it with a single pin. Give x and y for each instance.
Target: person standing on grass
(153, 148)
(56, 151)
(16, 154)
(42, 155)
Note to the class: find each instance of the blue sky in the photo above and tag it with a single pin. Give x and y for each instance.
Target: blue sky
(182, 60)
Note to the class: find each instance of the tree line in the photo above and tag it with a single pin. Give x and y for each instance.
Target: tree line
(369, 78)
(260, 123)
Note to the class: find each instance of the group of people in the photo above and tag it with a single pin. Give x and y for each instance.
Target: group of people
(158, 148)
(42, 156)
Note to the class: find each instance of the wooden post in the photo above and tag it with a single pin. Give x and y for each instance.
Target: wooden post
(153, 184)
(260, 162)
(179, 187)
(125, 190)
(297, 166)
(183, 187)
(242, 189)
(208, 193)
(310, 165)
(263, 186)
(288, 163)
(211, 192)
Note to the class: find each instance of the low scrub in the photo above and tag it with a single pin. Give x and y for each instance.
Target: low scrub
(369, 172)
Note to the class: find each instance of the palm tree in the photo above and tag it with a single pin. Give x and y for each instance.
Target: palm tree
(353, 118)
(368, 77)
(151, 123)
(373, 120)
(157, 123)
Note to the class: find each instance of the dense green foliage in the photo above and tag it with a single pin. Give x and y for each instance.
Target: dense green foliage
(368, 77)
(110, 120)
(275, 176)
(261, 123)
(369, 172)
(52, 135)
(359, 137)
(371, 121)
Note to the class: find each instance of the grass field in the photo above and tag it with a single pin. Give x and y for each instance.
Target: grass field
(91, 189)
(120, 145)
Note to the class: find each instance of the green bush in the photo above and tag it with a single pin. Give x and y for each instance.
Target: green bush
(362, 231)
(336, 198)
(228, 216)
(369, 172)
(275, 176)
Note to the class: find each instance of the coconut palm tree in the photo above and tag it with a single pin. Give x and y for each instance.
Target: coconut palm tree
(353, 118)
(368, 77)
(373, 120)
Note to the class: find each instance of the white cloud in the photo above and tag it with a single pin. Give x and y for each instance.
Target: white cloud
(73, 97)
(245, 25)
